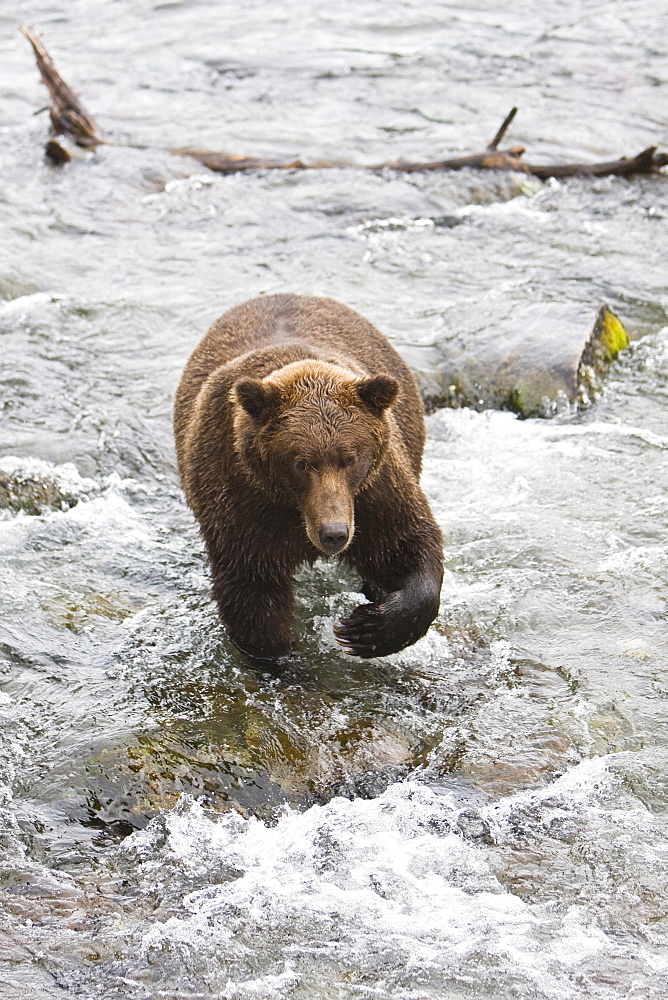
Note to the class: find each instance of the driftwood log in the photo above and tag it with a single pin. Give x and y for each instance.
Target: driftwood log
(649, 161)
(68, 115)
(71, 122)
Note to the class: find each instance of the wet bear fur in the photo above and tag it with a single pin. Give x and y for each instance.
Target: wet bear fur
(299, 433)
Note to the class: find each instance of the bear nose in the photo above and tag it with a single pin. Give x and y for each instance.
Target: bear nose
(333, 536)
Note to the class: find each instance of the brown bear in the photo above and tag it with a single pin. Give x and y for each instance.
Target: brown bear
(299, 433)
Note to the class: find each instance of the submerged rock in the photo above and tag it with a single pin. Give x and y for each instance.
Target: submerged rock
(35, 487)
(83, 612)
(535, 361)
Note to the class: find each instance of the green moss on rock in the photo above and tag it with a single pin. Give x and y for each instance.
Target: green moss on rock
(609, 337)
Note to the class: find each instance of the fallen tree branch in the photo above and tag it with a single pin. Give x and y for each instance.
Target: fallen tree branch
(70, 119)
(504, 128)
(649, 161)
(68, 115)
(646, 162)
(229, 163)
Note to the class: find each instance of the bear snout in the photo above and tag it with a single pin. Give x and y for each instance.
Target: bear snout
(328, 510)
(333, 536)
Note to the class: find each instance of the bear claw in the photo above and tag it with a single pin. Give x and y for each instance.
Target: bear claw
(360, 633)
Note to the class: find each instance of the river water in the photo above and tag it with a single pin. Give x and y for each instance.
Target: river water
(481, 816)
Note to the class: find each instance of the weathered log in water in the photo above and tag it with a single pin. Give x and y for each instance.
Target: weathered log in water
(541, 358)
(69, 118)
(649, 161)
(68, 115)
(230, 163)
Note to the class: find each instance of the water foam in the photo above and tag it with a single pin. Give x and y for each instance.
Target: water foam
(391, 888)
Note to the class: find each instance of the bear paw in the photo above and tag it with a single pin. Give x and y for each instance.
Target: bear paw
(389, 625)
(373, 629)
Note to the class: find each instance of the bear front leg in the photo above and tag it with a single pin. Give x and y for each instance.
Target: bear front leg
(254, 596)
(407, 601)
(253, 555)
(370, 592)
(257, 614)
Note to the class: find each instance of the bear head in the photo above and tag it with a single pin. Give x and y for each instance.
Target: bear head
(312, 435)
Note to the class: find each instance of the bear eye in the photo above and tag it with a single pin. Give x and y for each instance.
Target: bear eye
(301, 465)
(348, 462)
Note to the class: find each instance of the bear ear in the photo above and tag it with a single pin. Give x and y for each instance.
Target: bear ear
(257, 398)
(378, 392)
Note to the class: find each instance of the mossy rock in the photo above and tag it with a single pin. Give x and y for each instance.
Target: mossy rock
(34, 487)
(537, 359)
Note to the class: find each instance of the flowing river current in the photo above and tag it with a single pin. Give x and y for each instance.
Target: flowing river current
(479, 817)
